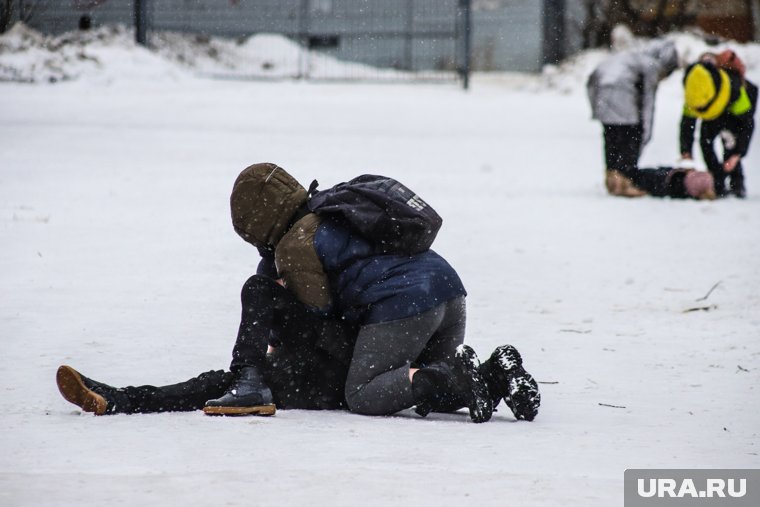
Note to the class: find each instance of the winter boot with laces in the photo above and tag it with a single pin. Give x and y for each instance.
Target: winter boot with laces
(447, 386)
(248, 395)
(507, 379)
(89, 395)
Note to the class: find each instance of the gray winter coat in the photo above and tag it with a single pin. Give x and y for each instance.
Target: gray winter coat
(622, 88)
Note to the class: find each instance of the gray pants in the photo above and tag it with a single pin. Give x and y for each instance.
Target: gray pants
(378, 378)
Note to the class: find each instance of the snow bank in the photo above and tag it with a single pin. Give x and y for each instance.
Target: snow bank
(110, 53)
(107, 53)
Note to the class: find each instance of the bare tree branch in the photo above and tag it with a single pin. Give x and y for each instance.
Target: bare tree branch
(703, 298)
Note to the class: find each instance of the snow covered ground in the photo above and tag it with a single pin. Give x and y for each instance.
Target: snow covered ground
(118, 258)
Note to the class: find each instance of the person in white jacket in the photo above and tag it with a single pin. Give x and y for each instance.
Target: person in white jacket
(622, 92)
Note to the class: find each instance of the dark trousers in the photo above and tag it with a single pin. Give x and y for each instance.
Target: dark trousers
(307, 370)
(185, 396)
(309, 366)
(707, 134)
(622, 147)
(378, 379)
(317, 384)
(271, 315)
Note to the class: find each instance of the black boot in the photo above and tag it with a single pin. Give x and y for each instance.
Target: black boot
(435, 391)
(248, 394)
(89, 395)
(445, 387)
(737, 183)
(507, 379)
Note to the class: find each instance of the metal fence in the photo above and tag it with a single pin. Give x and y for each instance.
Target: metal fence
(335, 39)
(308, 39)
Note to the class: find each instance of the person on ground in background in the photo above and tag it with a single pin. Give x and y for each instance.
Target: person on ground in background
(675, 183)
(622, 91)
(717, 94)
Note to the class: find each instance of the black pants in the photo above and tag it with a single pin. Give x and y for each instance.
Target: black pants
(307, 370)
(182, 397)
(622, 147)
(707, 134)
(310, 364)
(378, 379)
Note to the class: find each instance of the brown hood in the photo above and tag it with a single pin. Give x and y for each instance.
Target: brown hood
(264, 200)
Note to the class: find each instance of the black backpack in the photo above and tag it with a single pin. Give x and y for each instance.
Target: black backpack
(384, 211)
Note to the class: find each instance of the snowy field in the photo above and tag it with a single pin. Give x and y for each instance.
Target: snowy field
(118, 258)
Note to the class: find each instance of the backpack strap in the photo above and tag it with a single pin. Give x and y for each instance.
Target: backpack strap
(313, 188)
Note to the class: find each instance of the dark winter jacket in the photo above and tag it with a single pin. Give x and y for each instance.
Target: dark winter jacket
(662, 182)
(737, 119)
(334, 270)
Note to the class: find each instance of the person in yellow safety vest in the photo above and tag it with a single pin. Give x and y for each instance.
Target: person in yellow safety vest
(725, 104)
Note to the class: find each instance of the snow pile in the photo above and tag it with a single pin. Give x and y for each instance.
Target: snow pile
(28, 56)
(110, 53)
(264, 55)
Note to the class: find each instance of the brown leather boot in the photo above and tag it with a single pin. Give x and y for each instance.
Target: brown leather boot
(619, 185)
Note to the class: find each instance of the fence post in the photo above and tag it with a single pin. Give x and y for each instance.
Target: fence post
(409, 31)
(141, 22)
(553, 31)
(303, 36)
(465, 8)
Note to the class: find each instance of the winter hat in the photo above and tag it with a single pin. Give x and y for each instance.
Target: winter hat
(263, 202)
(699, 185)
(707, 90)
(728, 59)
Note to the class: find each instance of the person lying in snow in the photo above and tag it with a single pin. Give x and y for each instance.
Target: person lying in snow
(666, 182)
(409, 311)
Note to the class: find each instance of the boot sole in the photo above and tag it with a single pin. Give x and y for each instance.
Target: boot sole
(480, 404)
(72, 388)
(508, 358)
(524, 397)
(264, 410)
